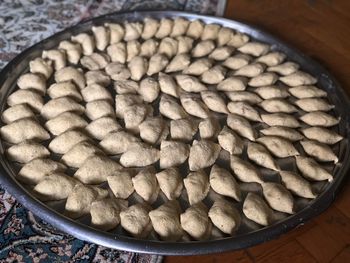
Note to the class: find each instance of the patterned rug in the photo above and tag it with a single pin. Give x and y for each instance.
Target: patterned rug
(24, 237)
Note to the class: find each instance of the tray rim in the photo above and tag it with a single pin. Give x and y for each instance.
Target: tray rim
(84, 232)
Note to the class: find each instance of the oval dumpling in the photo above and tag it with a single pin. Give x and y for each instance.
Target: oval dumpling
(279, 147)
(170, 182)
(260, 155)
(146, 185)
(256, 209)
(203, 154)
(197, 186)
(223, 183)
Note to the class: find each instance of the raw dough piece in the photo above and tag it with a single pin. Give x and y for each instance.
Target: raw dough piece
(237, 61)
(214, 75)
(314, 104)
(16, 112)
(105, 213)
(73, 74)
(225, 216)
(221, 53)
(126, 87)
(214, 101)
(195, 29)
(73, 51)
(156, 64)
(139, 155)
(99, 128)
(184, 44)
(99, 108)
(97, 77)
(134, 115)
(298, 78)
(173, 153)
(118, 142)
(203, 48)
(224, 36)
(55, 107)
(26, 151)
(117, 71)
(136, 221)
(244, 170)
(203, 154)
(77, 155)
(117, 52)
(95, 92)
(80, 199)
(24, 129)
(190, 83)
(149, 48)
(256, 209)
(241, 126)
(321, 152)
(170, 182)
(56, 186)
(123, 101)
(272, 58)
(178, 63)
(64, 89)
(33, 99)
(305, 92)
(167, 84)
(230, 141)
(264, 79)
(238, 40)
(32, 81)
(251, 70)
(96, 169)
(166, 221)
(245, 110)
(272, 92)
(319, 118)
(260, 155)
(64, 122)
(150, 27)
(297, 184)
(210, 32)
(254, 48)
(146, 185)
(165, 28)
(280, 119)
(86, 41)
(243, 96)
(277, 105)
(310, 169)
(222, 182)
(133, 30)
(149, 89)
(209, 128)
(183, 129)
(121, 184)
(95, 61)
(197, 186)
(283, 132)
(65, 141)
(193, 105)
(37, 169)
(180, 27)
(232, 84)
(322, 135)
(138, 67)
(168, 46)
(57, 56)
(278, 197)
(279, 147)
(284, 69)
(42, 67)
(116, 32)
(102, 37)
(198, 67)
(133, 49)
(195, 222)
(153, 130)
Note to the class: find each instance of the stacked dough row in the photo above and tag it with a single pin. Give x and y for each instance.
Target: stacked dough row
(207, 76)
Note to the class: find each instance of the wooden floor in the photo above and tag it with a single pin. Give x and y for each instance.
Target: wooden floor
(320, 29)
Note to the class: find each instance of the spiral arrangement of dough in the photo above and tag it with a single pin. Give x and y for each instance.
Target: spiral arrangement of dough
(122, 111)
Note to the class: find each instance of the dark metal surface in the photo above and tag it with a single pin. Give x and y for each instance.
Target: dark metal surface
(336, 96)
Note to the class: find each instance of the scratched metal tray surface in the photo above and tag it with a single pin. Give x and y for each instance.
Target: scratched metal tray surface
(249, 233)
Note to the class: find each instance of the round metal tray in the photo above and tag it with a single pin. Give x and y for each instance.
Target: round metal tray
(337, 96)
